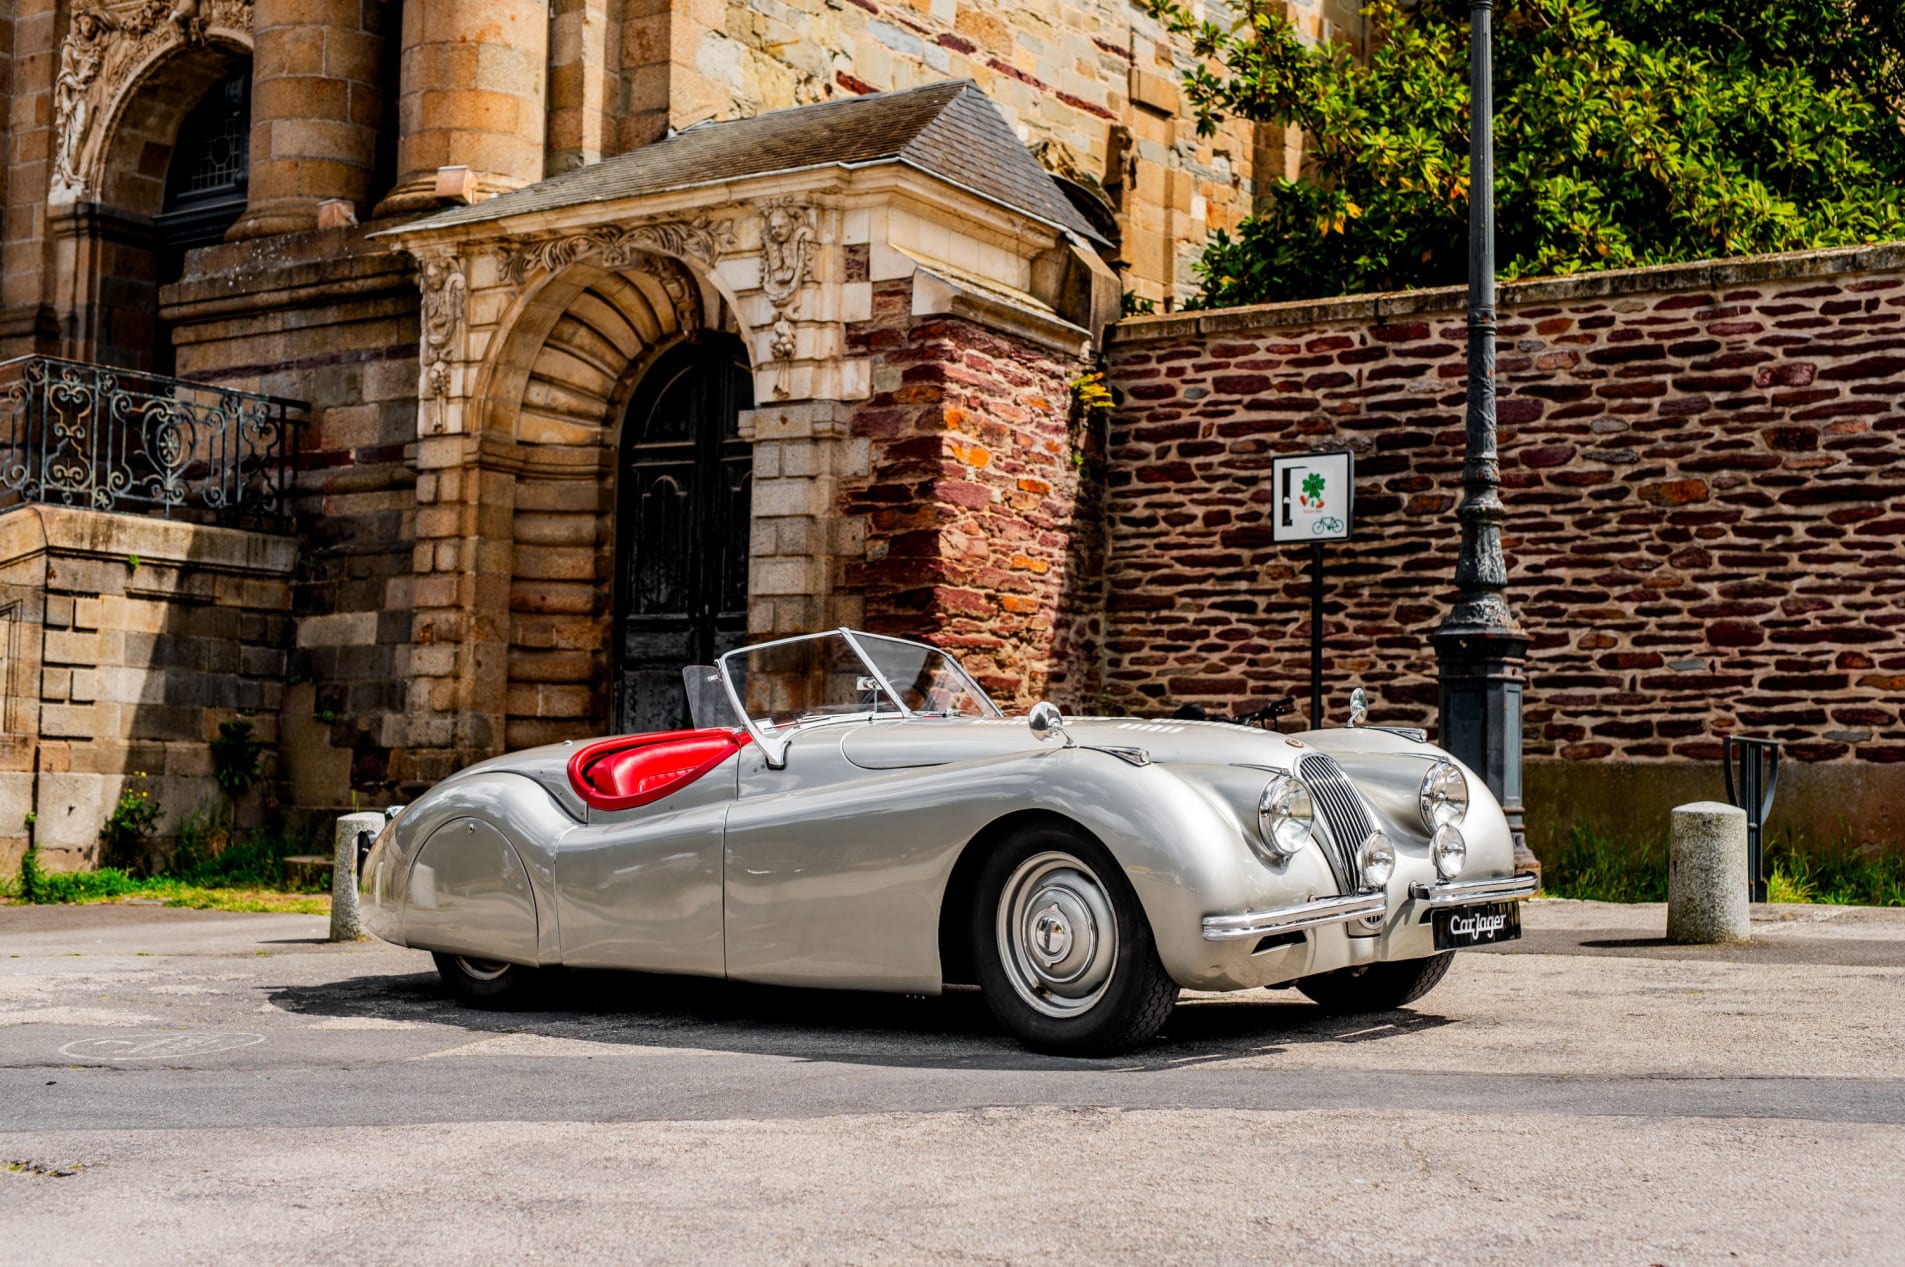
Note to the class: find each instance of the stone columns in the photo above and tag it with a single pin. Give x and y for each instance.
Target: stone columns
(316, 104)
(473, 95)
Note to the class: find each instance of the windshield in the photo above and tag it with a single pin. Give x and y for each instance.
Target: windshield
(781, 686)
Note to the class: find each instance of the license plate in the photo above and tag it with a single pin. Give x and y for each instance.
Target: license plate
(1481, 925)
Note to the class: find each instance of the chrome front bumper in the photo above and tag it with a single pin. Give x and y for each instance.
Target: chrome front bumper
(1513, 888)
(1355, 906)
(1293, 919)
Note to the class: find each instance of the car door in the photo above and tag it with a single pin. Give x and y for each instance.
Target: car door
(833, 876)
(641, 888)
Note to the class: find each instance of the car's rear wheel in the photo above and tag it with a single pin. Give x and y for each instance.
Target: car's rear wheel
(1065, 957)
(1377, 987)
(485, 982)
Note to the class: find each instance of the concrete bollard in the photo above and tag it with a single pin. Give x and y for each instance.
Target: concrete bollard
(1706, 877)
(345, 922)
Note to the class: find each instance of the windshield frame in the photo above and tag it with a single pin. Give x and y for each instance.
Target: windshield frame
(774, 745)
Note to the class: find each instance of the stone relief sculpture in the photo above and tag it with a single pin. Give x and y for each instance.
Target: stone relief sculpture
(107, 42)
(445, 293)
(80, 58)
(617, 246)
(789, 241)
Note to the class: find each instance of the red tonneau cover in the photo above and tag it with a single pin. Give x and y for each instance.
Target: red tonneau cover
(632, 770)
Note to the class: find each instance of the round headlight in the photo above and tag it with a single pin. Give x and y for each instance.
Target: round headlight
(1444, 796)
(1449, 850)
(1284, 813)
(1376, 859)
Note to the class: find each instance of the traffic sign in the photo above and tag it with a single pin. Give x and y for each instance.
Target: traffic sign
(1316, 496)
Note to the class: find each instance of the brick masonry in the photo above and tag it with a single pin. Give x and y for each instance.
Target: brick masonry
(971, 496)
(1704, 469)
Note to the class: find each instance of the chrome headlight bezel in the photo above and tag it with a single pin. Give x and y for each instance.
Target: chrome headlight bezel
(1285, 816)
(1448, 849)
(1375, 861)
(1442, 796)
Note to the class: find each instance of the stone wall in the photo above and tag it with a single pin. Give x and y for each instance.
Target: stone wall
(966, 510)
(330, 319)
(126, 642)
(1704, 469)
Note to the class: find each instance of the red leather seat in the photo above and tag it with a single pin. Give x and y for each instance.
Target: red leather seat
(632, 770)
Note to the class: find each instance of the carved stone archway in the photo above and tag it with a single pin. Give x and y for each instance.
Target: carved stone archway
(111, 48)
(908, 335)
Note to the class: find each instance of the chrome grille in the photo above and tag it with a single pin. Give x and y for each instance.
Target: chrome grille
(1345, 818)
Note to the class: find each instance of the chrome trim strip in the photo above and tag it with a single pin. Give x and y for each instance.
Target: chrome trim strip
(1291, 919)
(1513, 888)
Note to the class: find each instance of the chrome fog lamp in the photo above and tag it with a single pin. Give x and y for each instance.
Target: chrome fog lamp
(1449, 850)
(1376, 859)
(1284, 814)
(1444, 796)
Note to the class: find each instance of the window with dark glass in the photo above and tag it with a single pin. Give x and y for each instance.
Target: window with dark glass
(205, 184)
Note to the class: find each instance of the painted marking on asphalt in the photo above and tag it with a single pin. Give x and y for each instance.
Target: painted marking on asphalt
(160, 1047)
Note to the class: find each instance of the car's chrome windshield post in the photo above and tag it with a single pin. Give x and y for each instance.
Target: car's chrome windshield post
(874, 669)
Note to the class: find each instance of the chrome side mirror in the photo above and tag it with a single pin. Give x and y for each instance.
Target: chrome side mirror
(1047, 722)
(1358, 707)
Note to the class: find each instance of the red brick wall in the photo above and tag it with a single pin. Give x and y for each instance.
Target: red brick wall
(973, 497)
(1704, 470)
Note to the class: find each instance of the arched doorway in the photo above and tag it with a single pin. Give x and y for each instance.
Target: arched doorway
(683, 482)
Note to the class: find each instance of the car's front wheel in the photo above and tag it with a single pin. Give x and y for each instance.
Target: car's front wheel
(1065, 957)
(1377, 987)
(485, 982)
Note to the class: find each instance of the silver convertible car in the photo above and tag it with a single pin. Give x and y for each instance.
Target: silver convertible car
(851, 811)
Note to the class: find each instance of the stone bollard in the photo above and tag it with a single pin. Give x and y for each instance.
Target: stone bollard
(345, 924)
(1706, 878)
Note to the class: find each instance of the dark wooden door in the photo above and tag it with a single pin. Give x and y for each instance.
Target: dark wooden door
(681, 527)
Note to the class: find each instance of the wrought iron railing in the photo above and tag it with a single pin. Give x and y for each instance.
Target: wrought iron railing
(102, 438)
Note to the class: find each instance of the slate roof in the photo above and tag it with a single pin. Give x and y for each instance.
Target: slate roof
(949, 129)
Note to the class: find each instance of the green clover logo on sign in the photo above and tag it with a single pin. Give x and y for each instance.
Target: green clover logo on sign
(1313, 490)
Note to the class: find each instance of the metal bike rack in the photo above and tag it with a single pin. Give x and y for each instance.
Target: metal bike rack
(1758, 762)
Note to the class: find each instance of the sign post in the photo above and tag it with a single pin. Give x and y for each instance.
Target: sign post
(1316, 502)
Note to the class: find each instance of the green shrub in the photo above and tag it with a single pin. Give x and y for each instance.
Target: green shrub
(125, 830)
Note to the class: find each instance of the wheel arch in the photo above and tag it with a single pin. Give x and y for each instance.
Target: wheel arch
(955, 956)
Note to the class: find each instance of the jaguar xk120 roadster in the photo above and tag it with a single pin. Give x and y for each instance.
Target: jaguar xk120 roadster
(851, 811)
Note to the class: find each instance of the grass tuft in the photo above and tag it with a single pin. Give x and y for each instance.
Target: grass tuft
(1591, 866)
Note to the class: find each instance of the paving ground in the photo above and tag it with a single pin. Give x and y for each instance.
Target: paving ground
(192, 1086)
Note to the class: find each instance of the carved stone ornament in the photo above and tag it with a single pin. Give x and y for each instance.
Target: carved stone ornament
(445, 293)
(616, 246)
(789, 241)
(107, 42)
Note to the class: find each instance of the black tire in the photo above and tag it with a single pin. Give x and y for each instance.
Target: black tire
(486, 982)
(1377, 987)
(1056, 867)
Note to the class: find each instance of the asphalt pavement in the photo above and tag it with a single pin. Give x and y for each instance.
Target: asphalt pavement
(181, 1086)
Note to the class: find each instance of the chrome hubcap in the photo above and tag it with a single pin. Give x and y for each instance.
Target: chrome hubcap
(481, 969)
(1058, 938)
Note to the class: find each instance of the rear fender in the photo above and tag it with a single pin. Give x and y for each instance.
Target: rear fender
(528, 827)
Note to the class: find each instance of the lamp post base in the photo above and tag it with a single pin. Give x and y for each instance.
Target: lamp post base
(1481, 673)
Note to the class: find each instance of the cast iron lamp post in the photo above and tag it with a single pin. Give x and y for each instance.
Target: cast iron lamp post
(1479, 647)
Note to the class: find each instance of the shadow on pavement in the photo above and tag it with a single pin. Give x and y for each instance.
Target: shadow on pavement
(953, 1030)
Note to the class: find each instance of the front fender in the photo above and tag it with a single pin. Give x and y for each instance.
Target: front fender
(1180, 835)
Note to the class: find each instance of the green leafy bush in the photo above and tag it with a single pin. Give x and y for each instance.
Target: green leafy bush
(126, 829)
(1628, 132)
(237, 759)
